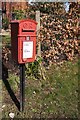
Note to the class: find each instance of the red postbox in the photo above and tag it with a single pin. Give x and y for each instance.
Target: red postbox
(23, 40)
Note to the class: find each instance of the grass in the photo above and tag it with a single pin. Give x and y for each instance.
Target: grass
(55, 97)
(6, 39)
(64, 83)
(58, 96)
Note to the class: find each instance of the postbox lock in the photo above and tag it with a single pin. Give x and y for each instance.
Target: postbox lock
(28, 38)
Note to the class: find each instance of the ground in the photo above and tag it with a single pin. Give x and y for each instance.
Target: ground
(55, 97)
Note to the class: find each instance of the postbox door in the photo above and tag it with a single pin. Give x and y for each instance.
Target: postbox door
(29, 49)
(26, 49)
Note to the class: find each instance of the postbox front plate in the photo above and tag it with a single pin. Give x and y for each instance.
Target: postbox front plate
(27, 49)
(27, 41)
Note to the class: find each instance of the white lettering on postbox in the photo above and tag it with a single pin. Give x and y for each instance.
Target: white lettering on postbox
(27, 49)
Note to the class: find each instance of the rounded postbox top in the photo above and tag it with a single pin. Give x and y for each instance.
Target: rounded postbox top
(21, 21)
(24, 27)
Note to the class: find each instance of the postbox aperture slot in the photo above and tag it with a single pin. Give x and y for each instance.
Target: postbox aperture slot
(25, 30)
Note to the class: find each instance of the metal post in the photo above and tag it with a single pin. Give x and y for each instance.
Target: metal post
(22, 86)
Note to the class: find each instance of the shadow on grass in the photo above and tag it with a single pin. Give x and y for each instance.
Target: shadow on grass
(79, 86)
(7, 85)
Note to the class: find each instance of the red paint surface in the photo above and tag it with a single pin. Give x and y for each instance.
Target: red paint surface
(20, 29)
